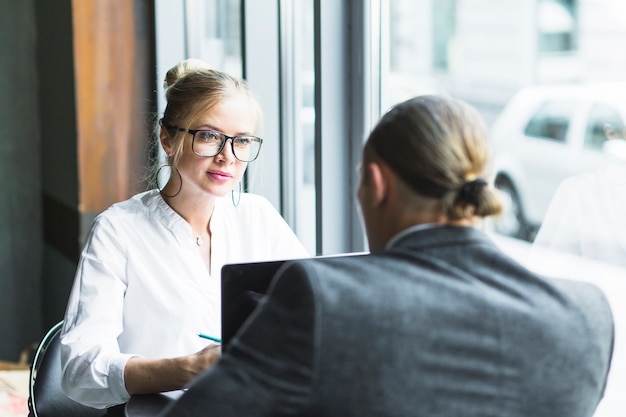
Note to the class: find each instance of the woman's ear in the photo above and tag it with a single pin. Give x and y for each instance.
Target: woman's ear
(166, 141)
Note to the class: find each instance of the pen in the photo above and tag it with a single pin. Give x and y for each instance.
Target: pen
(206, 336)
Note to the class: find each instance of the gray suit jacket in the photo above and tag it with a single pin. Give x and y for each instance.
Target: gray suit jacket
(441, 325)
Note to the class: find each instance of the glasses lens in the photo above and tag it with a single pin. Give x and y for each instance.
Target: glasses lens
(207, 143)
(246, 148)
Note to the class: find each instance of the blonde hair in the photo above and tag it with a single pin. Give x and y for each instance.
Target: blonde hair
(192, 88)
(439, 148)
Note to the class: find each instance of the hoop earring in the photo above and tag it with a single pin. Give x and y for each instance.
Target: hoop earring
(180, 180)
(232, 195)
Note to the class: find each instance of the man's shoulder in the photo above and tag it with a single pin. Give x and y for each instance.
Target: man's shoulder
(578, 317)
(354, 276)
(586, 296)
(313, 270)
(343, 264)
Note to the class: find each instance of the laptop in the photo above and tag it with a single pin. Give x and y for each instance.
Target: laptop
(243, 286)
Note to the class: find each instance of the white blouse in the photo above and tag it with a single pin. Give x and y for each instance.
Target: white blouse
(142, 288)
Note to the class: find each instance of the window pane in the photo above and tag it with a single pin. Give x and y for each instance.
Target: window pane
(298, 119)
(213, 30)
(305, 137)
(551, 121)
(604, 123)
(534, 69)
(557, 25)
(444, 28)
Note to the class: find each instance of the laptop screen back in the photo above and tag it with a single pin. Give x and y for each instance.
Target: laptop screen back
(243, 286)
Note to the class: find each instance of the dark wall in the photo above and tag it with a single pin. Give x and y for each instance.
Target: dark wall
(21, 235)
(46, 202)
(59, 179)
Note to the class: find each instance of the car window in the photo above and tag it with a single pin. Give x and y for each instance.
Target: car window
(551, 121)
(603, 119)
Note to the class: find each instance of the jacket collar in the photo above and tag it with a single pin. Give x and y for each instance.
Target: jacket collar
(436, 235)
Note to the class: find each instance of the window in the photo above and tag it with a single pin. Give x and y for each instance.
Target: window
(604, 122)
(298, 133)
(444, 34)
(486, 55)
(205, 29)
(551, 121)
(389, 51)
(308, 75)
(213, 33)
(557, 26)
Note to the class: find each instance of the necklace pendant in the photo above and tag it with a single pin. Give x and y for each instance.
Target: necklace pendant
(199, 240)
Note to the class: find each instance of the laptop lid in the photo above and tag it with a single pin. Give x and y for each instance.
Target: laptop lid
(243, 287)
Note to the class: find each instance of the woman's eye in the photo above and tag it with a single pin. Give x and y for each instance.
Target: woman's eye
(207, 136)
(243, 141)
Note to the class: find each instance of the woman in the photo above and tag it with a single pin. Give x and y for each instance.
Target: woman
(148, 281)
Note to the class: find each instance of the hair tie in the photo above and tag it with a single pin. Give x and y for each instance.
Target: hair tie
(470, 189)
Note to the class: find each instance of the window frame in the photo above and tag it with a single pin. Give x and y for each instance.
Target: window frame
(346, 102)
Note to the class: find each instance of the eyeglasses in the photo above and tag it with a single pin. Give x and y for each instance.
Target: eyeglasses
(208, 143)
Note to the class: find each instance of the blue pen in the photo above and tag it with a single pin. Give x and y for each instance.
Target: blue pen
(206, 336)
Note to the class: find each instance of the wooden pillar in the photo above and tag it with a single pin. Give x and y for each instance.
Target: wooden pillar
(114, 76)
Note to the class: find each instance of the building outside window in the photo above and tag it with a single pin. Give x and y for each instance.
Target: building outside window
(558, 26)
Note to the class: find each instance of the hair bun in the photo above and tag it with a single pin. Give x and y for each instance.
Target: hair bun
(470, 190)
(183, 68)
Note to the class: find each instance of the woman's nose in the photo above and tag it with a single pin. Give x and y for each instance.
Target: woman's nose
(226, 154)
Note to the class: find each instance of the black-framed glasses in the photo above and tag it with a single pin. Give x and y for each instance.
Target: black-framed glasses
(208, 143)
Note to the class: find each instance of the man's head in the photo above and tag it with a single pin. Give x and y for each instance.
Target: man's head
(425, 162)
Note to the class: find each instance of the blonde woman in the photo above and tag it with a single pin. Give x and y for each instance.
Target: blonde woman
(148, 280)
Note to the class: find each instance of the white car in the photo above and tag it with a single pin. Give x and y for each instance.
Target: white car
(546, 134)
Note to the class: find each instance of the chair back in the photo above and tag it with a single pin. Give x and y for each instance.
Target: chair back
(46, 397)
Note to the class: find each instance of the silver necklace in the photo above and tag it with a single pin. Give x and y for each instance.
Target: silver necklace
(199, 240)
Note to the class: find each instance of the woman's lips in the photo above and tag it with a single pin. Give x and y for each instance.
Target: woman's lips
(219, 176)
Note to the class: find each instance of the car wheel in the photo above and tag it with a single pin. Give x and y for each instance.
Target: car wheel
(511, 222)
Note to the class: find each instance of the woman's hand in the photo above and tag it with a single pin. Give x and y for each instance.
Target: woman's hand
(149, 376)
(201, 360)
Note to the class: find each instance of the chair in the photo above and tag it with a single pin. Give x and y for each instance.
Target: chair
(46, 397)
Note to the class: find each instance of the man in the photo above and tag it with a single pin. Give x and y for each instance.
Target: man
(435, 322)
